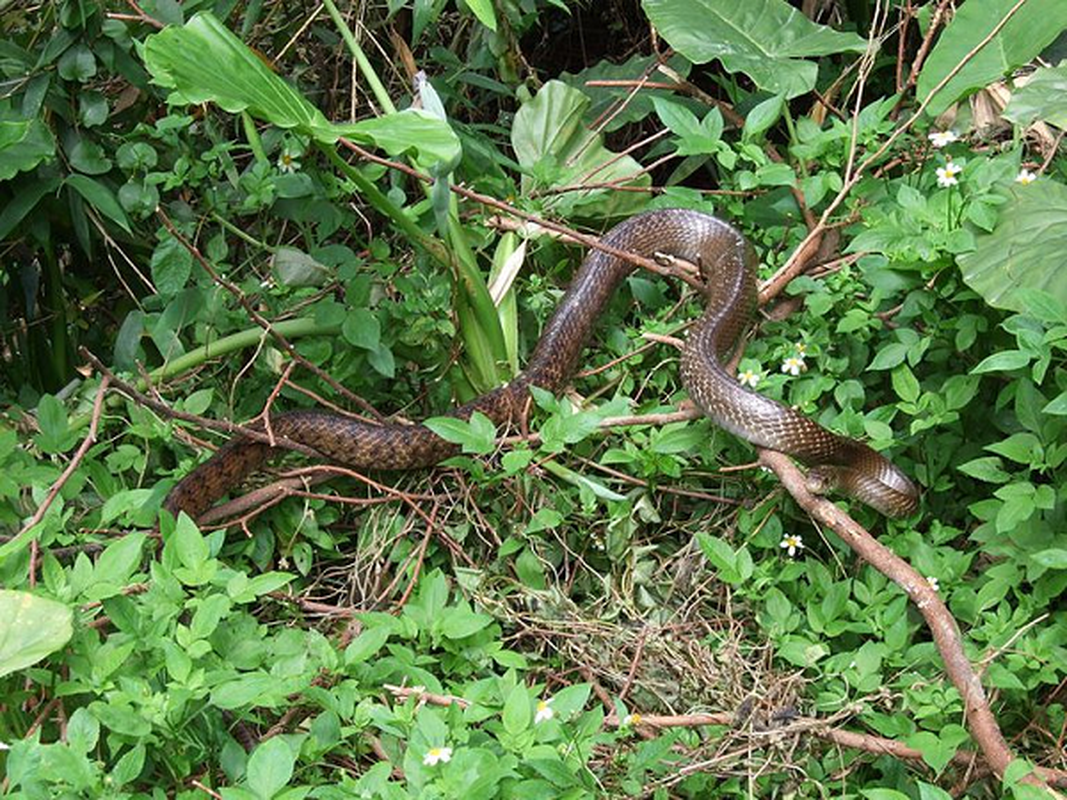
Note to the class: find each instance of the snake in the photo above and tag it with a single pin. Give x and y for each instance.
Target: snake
(728, 266)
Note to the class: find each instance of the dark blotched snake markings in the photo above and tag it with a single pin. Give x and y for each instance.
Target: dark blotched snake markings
(729, 270)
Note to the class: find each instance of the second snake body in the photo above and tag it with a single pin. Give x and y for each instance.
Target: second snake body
(729, 271)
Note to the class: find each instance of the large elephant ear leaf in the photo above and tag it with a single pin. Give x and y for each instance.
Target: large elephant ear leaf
(1026, 250)
(203, 61)
(767, 40)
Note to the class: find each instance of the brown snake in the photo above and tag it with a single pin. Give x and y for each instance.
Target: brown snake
(729, 270)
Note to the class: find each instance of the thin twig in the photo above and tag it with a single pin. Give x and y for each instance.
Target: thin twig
(83, 448)
(983, 725)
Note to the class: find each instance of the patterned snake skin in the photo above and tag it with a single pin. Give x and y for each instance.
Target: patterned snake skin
(836, 461)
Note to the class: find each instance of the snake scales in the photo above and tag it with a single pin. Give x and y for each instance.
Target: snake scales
(729, 268)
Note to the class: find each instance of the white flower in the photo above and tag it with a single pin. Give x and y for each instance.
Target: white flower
(289, 160)
(748, 378)
(942, 138)
(791, 544)
(437, 755)
(793, 365)
(801, 348)
(544, 712)
(930, 579)
(1025, 177)
(631, 719)
(946, 175)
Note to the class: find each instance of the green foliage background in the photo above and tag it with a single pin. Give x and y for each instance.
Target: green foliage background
(161, 188)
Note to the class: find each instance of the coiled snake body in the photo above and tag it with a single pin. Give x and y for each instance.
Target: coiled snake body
(729, 270)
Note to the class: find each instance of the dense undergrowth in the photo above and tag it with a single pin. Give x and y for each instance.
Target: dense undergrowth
(166, 195)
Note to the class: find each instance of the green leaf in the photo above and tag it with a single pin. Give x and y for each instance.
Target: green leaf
(889, 356)
(189, 544)
(129, 766)
(1053, 558)
(362, 329)
(24, 143)
(695, 137)
(569, 475)
(1022, 448)
(460, 622)
(483, 10)
(476, 435)
(1026, 249)
(55, 435)
(293, 267)
(26, 194)
(77, 64)
(1042, 98)
(1032, 28)
(270, 767)
(517, 714)
(101, 198)
(202, 61)
(209, 614)
(928, 792)
(115, 566)
(555, 148)
(31, 628)
(905, 383)
(765, 39)
(987, 468)
(1003, 361)
(733, 567)
(1057, 406)
(172, 264)
(367, 644)
(762, 116)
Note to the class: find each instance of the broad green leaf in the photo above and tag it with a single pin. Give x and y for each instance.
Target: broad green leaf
(270, 767)
(367, 644)
(55, 434)
(556, 149)
(99, 197)
(1004, 361)
(987, 468)
(1043, 98)
(115, 566)
(1022, 448)
(483, 10)
(432, 140)
(31, 628)
(518, 708)
(476, 435)
(1058, 405)
(733, 567)
(171, 264)
(24, 143)
(759, 120)
(1027, 33)
(1026, 249)
(615, 87)
(905, 384)
(1053, 558)
(362, 329)
(695, 136)
(202, 61)
(767, 40)
(293, 267)
(27, 192)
